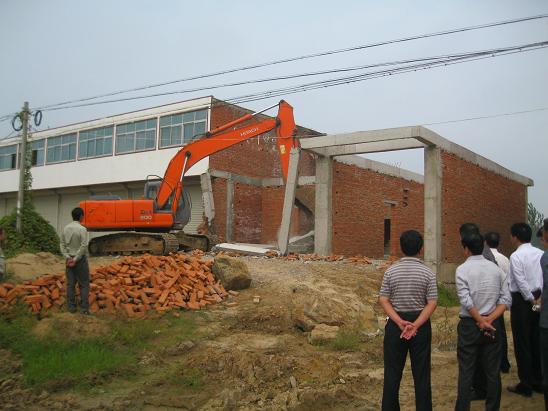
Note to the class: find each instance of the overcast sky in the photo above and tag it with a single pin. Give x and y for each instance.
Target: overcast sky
(54, 51)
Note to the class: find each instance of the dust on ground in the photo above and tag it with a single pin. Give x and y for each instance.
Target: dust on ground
(257, 356)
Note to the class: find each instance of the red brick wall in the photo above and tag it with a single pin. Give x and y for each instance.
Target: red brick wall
(473, 194)
(359, 210)
(247, 214)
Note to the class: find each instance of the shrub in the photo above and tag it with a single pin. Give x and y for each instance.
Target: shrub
(38, 234)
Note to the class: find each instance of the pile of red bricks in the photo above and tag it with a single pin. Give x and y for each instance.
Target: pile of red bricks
(134, 285)
(316, 257)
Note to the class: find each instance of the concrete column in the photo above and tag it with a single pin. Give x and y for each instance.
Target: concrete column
(207, 197)
(432, 208)
(289, 200)
(229, 209)
(323, 219)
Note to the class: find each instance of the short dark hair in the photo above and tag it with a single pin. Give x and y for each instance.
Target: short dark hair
(522, 232)
(468, 228)
(411, 242)
(540, 232)
(474, 242)
(546, 224)
(77, 213)
(492, 239)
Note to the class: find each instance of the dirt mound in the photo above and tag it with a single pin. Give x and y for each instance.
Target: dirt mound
(31, 266)
(72, 326)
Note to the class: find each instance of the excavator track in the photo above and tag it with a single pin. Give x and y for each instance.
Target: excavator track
(134, 243)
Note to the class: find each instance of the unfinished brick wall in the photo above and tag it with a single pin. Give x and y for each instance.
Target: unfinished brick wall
(471, 193)
(359, 210)
(257, 211)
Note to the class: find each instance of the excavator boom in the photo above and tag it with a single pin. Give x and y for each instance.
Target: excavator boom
(158, 214)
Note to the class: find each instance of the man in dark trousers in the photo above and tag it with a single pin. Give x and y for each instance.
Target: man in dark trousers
(525, 287)
(409, 296)
(483, 294)
(74, 246)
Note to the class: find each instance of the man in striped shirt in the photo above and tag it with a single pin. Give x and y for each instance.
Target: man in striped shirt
(409, 296)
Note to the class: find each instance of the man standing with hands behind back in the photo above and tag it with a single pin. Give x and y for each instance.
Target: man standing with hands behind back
(74, 246)
(409, 296)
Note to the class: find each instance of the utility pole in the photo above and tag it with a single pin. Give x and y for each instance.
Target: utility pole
(22, 165)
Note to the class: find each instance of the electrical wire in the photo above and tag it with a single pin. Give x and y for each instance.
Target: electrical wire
(304, 57)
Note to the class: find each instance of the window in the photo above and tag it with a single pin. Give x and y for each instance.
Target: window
(138, 136)
(179, 129)
(61, 148)
(37, 148)
(8, 157)
(95, 143)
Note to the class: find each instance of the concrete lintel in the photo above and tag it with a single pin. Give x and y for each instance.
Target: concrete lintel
(276, 182)
(237, 178)
(289, 200)
(379, 167)
(374, 147)
(388, 134)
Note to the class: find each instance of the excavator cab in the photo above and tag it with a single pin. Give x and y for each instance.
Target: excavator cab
(182, 215)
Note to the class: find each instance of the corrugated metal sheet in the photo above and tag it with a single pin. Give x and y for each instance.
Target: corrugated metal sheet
(197, 209)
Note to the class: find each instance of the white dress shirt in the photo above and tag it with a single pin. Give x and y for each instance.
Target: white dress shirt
(502, 261)
(525, 271)
(481, 284)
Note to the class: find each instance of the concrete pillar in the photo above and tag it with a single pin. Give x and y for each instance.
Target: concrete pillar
(323, 219)
(229, 209)
(289, 200)
(432, 208)
(207, 197)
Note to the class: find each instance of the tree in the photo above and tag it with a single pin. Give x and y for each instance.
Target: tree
(535, 219)
(37, 234)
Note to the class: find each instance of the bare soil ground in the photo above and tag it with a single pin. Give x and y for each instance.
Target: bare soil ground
(253, 357)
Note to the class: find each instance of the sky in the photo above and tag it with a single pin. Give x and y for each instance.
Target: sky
(62, 50)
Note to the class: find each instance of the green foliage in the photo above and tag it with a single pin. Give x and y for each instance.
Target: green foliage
(38, 234)
(55, 362)
(534, 217)
(447, 297)
(191, 378)
(345, 341)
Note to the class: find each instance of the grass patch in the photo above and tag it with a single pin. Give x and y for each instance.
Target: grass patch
(192, 378)
(345, 341)
(447, 297)
(54, 362)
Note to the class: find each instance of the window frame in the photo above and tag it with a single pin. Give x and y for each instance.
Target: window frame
(182, 125)
(154, 148)
(79, 158)
(43, 140)
(62, 161)
(11, 154)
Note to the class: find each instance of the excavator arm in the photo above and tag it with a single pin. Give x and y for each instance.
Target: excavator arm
(222, 138)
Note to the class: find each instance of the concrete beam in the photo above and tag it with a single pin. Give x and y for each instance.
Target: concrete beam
(432, 208)
(389, 134)
(289, 200)
(207, 197)
(229, 209)
(375, 147)
(323, 213)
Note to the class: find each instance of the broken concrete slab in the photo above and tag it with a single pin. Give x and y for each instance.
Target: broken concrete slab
(243, 249)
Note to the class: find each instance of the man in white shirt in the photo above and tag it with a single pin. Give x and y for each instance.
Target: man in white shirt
(525, 287)
(492, 241)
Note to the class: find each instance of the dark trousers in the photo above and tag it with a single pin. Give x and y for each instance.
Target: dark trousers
(480, 384)
(78, 274)
(474, 348)
(525, 330)
(395, 355)
(544, 356)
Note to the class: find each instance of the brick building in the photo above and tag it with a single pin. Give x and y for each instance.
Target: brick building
(242, 186)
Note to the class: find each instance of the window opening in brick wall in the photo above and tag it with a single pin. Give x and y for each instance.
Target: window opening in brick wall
(386, 236)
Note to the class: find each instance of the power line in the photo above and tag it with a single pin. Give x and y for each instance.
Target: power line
(423, 63)
(489, 116)
(304, 57)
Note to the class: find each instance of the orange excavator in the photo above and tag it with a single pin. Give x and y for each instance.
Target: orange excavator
(154, 224)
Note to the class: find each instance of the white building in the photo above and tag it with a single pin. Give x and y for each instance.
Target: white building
(112, 155)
